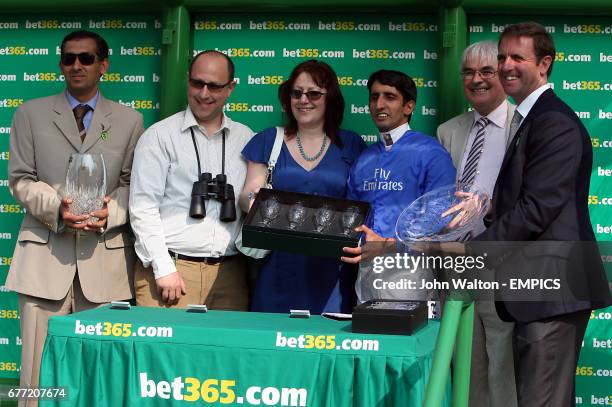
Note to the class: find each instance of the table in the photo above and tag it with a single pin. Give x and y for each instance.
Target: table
(154, 357)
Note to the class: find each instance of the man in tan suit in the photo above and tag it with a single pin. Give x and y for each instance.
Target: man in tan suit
(477, 141)
(65, 263)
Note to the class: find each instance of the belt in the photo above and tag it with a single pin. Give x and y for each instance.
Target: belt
(207, 260)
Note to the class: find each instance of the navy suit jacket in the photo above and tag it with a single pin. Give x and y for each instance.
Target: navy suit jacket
(541, 195)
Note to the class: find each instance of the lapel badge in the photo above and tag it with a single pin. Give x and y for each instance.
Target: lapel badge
(104, 134)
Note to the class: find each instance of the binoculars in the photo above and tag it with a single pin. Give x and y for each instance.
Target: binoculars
(206, 188)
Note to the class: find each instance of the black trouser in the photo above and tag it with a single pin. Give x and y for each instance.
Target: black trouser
(547, 354)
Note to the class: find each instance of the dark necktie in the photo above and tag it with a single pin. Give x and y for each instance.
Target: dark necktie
(471, 164)
(388, 140)
(79, 113)
(515, 123)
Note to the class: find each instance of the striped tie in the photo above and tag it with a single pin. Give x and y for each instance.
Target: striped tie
(79, 113)
(471, 164)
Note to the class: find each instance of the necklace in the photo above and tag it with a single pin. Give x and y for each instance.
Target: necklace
(303, 153)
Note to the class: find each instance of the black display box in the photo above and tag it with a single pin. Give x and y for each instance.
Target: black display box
(303, 239)
(392, 317)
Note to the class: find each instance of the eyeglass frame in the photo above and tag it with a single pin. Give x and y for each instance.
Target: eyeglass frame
(78, 56)
(484, 73)
(311, 95)
(212, 87)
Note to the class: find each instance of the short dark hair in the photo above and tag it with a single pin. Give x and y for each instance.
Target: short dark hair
(324, 76)
(230, 64)
(101, 44)
(543, 43)
(399, 80)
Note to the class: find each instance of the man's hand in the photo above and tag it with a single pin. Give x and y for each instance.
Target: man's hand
(374, 245)
(102, 216)
(470, 205)
(171, 288)
(70, 220)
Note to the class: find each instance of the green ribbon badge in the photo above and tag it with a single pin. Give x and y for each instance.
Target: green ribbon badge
(104, 135)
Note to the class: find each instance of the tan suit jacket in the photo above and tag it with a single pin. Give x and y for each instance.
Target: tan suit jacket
(492, 373)
(454, 133)
(43, 136)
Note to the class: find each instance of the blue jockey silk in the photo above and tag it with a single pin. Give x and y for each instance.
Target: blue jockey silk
(391, 179)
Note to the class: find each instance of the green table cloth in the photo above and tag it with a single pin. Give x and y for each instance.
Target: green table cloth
(161, 357)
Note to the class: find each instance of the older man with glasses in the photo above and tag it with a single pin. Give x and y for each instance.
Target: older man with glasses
(182, 204)
(65, 263)
(477, 141)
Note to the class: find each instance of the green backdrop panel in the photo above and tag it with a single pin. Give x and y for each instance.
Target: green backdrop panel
(265, 49)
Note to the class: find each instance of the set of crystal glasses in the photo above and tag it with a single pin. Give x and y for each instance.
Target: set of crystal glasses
(297, 214)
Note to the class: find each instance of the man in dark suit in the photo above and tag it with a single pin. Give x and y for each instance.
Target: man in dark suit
(541, 196)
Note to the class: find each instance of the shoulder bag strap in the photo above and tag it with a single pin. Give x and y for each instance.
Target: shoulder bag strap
(278, 143)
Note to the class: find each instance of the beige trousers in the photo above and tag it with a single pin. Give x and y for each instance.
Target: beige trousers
(221, 286)
(35, 313)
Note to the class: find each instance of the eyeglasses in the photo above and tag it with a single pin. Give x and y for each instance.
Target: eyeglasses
(484, 74)
(85, 58)
(311, 94)
(212, 87)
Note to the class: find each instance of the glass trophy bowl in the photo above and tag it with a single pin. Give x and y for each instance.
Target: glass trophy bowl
(86, 183)
(423, 220)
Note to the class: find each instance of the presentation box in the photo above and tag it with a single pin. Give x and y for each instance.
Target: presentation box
(309, 224)
(392, 317)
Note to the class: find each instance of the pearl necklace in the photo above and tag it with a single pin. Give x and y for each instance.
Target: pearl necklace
(303, 153)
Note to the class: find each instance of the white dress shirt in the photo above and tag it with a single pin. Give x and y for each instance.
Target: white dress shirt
(493, 151)
(164, 170)
(530, 100)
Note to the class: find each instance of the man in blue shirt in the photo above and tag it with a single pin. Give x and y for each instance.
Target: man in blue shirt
(401, 167)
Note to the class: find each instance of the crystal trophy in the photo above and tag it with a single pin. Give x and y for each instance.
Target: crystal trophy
(444, 214)
(86, 183)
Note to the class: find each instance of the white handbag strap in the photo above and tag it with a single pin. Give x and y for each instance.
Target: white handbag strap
(278, 143)
(276, 149)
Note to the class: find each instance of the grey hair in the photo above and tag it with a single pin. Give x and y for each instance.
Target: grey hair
(482, 50)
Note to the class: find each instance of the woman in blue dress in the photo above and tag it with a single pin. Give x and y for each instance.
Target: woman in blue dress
(315, 158)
